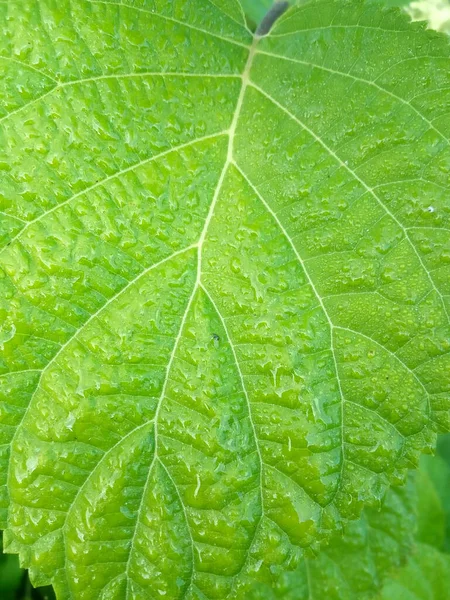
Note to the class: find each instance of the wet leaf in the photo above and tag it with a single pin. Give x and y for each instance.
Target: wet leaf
(224, 284)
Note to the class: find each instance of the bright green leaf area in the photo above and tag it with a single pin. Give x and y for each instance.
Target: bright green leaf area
(224, 285)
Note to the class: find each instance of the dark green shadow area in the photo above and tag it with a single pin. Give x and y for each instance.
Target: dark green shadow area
(14, 581)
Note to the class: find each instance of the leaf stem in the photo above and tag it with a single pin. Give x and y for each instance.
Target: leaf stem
(274, 13)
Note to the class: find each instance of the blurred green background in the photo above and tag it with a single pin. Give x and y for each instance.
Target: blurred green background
(14, 581)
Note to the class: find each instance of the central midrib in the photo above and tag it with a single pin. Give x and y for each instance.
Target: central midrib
(198, 284)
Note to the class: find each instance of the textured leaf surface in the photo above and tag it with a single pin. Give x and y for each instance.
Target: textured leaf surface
(224, 285)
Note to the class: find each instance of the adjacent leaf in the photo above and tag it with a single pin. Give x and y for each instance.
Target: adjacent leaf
(426, 576)
(434, 502)
(352, 567)
(443, 448)
(395, 2)
(378, 550)
(256, 9)
(224, 284)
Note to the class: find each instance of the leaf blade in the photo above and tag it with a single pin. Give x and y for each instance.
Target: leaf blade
(339, 405)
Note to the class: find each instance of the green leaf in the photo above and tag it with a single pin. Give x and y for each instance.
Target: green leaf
(426, 576)
(378, 550)
(224, 284)
(354, 566)
(256, 9)
(443, 447)
(439, 473)
(394, 2)
(434, 502)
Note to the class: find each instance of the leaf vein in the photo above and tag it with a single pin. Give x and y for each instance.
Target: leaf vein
(369, 189)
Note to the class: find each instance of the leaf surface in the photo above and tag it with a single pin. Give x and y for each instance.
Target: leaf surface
(224, 284)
